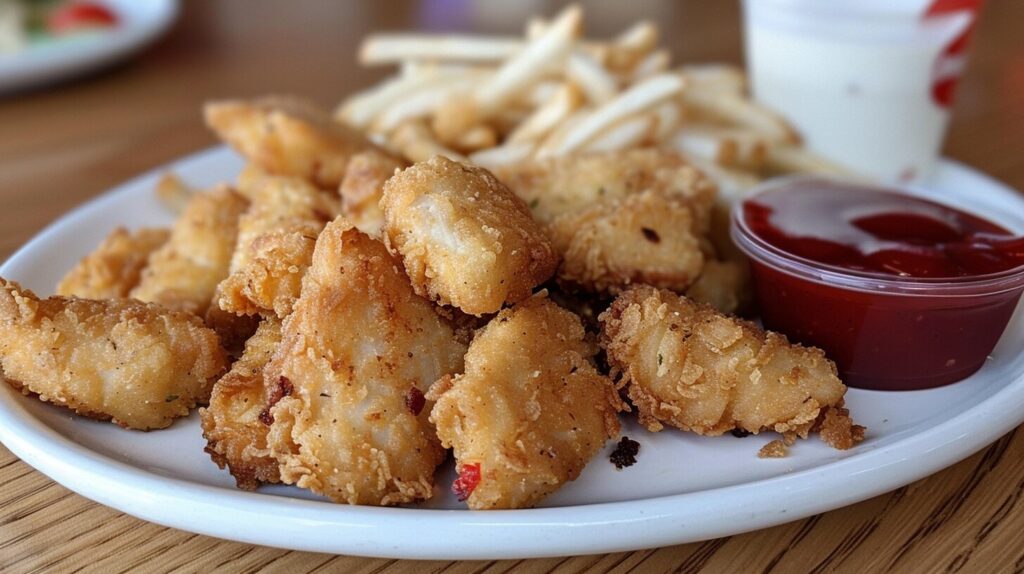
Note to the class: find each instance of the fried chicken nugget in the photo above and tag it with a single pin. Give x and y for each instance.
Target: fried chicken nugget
(619, 218)
(647, 237)
(137, 364)
(236, 423)
(184, 273)
(465, 239)
(275, 243)
(114, 268)
(530, 410)
(363, 187)
(688, 366)
(722, 284)
(287, 136)
(357, 355)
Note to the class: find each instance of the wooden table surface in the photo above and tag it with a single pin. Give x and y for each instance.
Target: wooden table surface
(64, 144)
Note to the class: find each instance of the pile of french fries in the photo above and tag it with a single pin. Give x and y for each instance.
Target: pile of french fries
(500, 100)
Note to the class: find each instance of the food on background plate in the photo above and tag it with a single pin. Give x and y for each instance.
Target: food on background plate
(465, 239)
(691, 367)
(28, 23)
(357, 355)
(237, 420)
(115, 267)
(529, 411)
(136, 364)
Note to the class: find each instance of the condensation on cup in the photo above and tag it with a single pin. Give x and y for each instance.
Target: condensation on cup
(868, 83)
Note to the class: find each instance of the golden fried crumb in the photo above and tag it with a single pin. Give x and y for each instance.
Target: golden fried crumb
(530, 410)
(287, 136)
(275, 243)
(173, 192)
(465, 239)
(774, 449)
(619, 218)
(114, 268)
(363, 187)
(183, 274)
(691, 367)
(722, 284)
(357, 355)
(137, 364)
(837, 429)
(235, 432)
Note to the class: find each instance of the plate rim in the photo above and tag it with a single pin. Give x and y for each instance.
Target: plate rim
(459, 534)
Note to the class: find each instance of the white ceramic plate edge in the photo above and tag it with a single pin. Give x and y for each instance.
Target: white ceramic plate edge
(452, 534)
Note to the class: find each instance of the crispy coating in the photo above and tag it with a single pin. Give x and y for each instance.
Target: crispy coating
(275, 243)
(619, 218)
(567, 185)
(465, 239)
(184, 273)
(357, 355)
(647, 237)
(530, 410)
(114, 268)
(137, 364)
(688, 366)
(722, 284)
(363, 187)
(235, 432)
(287, 136)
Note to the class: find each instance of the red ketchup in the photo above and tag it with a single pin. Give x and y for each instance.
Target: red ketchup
(901, 292)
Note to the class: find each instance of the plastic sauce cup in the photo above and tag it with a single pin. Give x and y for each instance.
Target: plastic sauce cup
(883, 331)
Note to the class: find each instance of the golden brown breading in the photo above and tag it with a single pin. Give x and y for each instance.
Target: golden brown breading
(114, 268)
(647, 237)
(138, 364)
(357, 354)
(287, 136)
(363, 187)
(619, 218)
(236, 423)
(567, 185)
(275, 243)
(184, 273)
(722, 284)
(691, 367)
(465, 239)
(530, 410)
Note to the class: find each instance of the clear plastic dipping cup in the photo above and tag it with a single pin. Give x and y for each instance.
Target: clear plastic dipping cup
(868, 83)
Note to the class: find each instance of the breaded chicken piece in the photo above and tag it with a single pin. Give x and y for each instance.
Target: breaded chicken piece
(184, 273)
(236, 423)
(647, 237)
(619, 218)
(137, 364)
(287, 136)
(465, 239)
(724, 285)
(363, 187)
(357, 355)
(114, 268)
(688, 366)
(275, 243)
(530, 410)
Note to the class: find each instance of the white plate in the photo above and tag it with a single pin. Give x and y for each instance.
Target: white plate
(683, 488)
(140, 22)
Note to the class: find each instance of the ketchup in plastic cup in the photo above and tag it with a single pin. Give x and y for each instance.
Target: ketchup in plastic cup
(868, 83)
(901, 292)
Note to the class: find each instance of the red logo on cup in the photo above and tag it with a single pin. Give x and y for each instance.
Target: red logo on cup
(950, 63)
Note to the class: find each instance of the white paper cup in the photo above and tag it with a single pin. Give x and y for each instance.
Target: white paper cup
(867, 82)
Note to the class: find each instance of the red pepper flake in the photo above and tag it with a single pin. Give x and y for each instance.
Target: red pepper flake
(414, 401)
(469, 478)
(283, 389)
